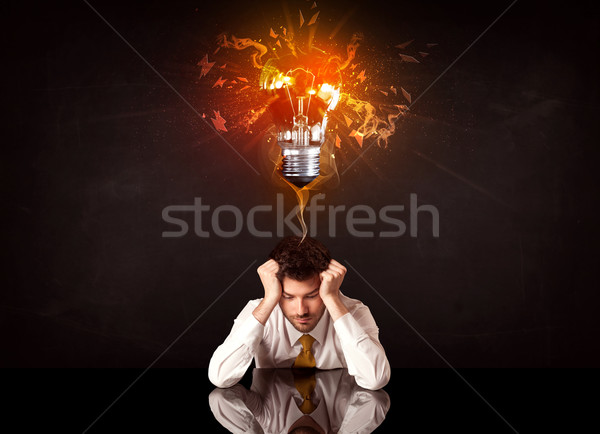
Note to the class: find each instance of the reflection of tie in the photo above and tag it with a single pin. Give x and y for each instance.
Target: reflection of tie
(305, 383)
(305, 359)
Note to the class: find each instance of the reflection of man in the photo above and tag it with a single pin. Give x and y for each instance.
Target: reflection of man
(274, 404)
(303, 321)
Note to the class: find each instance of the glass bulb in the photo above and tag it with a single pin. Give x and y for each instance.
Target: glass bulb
(304, 89)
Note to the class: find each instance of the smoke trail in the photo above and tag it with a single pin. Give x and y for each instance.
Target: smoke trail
(242, 44)
(372, 123)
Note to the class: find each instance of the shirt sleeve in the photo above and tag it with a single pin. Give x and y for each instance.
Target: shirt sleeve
(235, 409)
(232, 358)
(366, 411)
(365, 356)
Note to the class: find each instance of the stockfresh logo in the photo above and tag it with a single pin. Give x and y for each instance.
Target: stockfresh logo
(361, 221)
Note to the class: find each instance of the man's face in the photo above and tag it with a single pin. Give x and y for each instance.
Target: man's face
(301, 303)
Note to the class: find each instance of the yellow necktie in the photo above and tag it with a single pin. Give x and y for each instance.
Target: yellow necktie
(305, 383)
(305, 359)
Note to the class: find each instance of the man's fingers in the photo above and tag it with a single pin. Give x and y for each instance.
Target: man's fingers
(270, 263)
(335, 264)
(271, 266)
(337, 268)
(327, 275)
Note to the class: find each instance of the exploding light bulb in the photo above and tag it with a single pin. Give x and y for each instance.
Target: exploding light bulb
(303, 90)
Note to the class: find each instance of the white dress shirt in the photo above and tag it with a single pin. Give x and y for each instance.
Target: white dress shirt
(271, 406)
(351, 342)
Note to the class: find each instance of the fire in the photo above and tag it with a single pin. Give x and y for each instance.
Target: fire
(298, 96)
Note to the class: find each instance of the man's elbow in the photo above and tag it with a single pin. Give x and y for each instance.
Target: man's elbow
(222, 382)
(374, 383)
(217, 378)
(376, 379)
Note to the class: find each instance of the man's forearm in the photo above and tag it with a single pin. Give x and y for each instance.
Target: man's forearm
(231, 359)
(335, 307)
(364, 354)
(264, 309)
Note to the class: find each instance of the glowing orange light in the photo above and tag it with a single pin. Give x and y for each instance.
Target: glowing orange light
(334, 100)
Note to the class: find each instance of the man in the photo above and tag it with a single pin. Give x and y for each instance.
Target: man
(303, 321)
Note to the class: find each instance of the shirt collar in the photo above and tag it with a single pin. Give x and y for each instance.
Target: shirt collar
(319, 332)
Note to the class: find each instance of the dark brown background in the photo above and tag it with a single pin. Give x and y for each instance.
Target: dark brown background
(96, 145)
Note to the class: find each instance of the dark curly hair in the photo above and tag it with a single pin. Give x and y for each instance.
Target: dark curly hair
(300, 260)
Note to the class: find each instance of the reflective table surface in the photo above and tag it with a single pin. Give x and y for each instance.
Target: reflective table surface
(184, 401)
(299, 401)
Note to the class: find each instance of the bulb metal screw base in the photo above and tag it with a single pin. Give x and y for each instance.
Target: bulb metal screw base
(300, 163)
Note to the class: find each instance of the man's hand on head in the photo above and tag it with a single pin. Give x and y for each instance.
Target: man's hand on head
(268, 277)
(272, 286)
(331, 281)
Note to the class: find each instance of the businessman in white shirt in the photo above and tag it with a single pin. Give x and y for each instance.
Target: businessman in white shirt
(303, 321)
